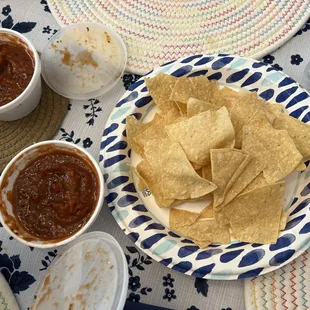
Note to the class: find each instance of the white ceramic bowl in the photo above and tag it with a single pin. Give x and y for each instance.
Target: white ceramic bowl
(10, 174)
(30, 97)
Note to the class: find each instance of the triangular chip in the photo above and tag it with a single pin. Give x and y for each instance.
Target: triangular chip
(207, 212)
(221, 218)
(160, 89)
(255, 216)
(134, 128)
(276, 109)
(250, 172)
(259, 181)
(197, 87)
(182, 108)
(152, 180)
(283, 220)
(196, 167)
(203, 132)
(242, 111)
(272, 147)
(202, 244)
(224, 164)
(157, 129)
(195, 106)
(297, 130)
(227, 92)
(207, 172)
(179, 180)
(205, 230)
(179, 218)
(301, 167)
(182, 90)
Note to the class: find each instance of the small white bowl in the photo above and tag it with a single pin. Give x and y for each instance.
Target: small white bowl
(10, 174)
(30, 97)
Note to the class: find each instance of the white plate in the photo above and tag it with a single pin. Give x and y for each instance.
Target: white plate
(146, 224)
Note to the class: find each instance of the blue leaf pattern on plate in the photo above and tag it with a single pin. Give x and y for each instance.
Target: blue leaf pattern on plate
(150, 241)
(252, 79)
(222, 62)
(281, 257)
(182, 71)
(237, 76)
(229, 256)
(187, 250)
(252, 258)
(283, 242)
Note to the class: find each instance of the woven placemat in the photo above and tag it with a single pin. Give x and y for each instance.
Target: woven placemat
(283, 289)
(157, 31)
(41, 124)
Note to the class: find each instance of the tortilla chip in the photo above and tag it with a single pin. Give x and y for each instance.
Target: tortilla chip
(179, 218)
(227, 92)
(207, 212)
(205, 230)
(182, 108)
(203, 132)
(151, 179)
(255, 216)
(141, 185)
(297, 130)
(196, 167)
(177, 202)
(179, 180)
(225, 97)
(221, 218)
(242, 111)
(283, 220)
(249, 173)
(224, 164)
(206, 172)
(179, 119)
(202, 244)
(195, 106)
(276, 109)
(259, 181)
(197, 87)
(133, 128)
(272, 147)
(160, 89)
(301, 167)
(182, 90)
(157, 129)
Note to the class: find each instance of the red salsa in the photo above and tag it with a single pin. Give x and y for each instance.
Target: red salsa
(16, 67)
(55, 195)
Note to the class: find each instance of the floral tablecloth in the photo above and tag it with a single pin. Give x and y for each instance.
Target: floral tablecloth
(149, 282)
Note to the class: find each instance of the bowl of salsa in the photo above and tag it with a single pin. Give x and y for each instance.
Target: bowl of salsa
(20, 76)
(50, 193)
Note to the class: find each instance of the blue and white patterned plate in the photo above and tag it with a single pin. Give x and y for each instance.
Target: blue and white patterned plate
(143, 223)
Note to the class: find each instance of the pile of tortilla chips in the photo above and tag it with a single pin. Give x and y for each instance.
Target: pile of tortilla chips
(218, 144)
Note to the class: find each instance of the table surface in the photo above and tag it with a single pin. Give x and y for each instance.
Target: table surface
(149, 281)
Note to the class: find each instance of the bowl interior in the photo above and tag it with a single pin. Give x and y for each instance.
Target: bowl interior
(10, 175)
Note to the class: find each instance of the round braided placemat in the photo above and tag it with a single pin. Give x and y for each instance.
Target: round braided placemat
(282, 289)
(41, 124)
(157, 31)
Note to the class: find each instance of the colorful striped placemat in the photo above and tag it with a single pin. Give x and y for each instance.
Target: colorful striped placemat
(157, 31)
(287, 288)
